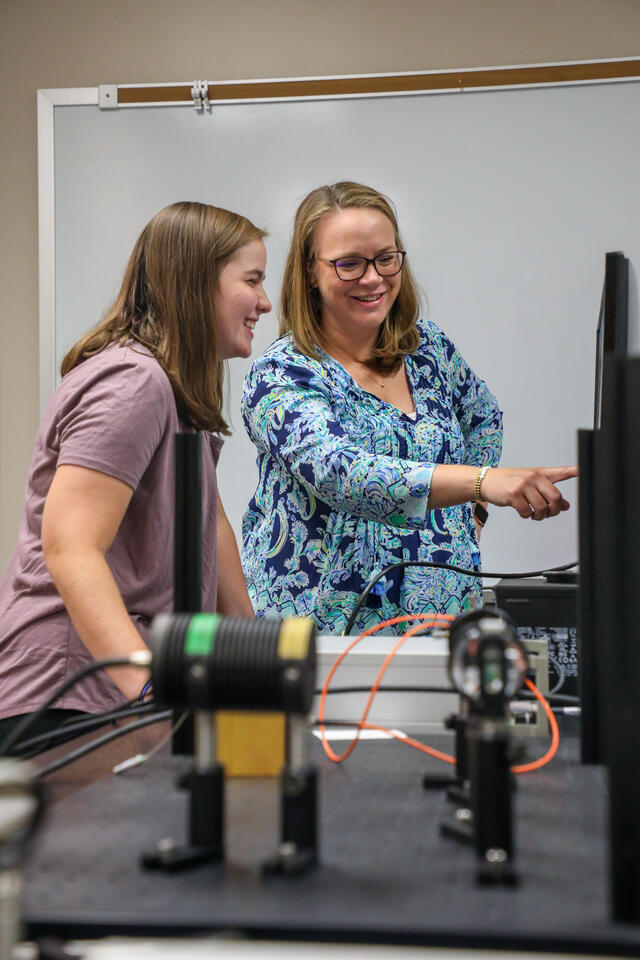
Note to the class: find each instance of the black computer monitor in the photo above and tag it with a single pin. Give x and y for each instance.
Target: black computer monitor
(612, 334)
(611, 342)
(609, 519)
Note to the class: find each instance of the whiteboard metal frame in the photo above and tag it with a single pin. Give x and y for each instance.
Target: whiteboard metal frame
(49, 99)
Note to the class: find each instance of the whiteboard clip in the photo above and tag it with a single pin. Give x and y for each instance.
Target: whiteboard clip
(200, 95)
(108, 96)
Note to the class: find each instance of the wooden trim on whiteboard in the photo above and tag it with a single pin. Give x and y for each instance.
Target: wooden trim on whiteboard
(401, 83)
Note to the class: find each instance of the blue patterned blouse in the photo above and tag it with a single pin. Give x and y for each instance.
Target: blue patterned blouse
(344, 479)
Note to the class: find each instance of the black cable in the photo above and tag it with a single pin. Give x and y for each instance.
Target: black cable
(123, 706)
(401, 564)
(74, 728)
(27, 722)
(100, 742)
(559, 698)
(335, 723)
(389, 690)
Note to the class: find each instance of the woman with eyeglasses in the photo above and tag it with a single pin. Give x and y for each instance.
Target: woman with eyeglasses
(94, 559)
(376, 442)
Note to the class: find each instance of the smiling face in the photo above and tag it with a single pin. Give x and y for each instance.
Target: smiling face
(240, 300)
(351, 311)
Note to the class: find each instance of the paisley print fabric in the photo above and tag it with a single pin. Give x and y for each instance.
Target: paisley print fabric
(344, 480)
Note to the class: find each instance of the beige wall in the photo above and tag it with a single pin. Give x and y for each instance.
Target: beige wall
(79, 43)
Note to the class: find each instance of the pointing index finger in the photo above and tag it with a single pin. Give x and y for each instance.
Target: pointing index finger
(555, 474)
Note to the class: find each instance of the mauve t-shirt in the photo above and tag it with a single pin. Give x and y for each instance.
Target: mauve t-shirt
(115, 413)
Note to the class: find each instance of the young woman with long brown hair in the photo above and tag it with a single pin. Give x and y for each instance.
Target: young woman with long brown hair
(94, 559)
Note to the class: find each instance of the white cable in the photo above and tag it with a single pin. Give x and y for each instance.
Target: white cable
(143, 757)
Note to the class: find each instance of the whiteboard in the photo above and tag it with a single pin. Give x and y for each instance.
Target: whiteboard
(507, 199)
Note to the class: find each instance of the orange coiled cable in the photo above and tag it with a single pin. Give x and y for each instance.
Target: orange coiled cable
(427, 620)
(434, 620)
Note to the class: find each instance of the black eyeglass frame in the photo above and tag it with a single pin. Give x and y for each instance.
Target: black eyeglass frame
(367, 260)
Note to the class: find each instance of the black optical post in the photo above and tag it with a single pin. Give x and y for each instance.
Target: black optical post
(204, 662)
(458, 783)
(207, 662)
(490, 775)
(187, 557)
(487, 665)
(590, 642)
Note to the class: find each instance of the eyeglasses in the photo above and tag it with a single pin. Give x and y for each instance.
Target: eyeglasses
(353, 268)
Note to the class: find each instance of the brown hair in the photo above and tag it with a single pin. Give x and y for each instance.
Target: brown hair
(299, 301)
(166, 303)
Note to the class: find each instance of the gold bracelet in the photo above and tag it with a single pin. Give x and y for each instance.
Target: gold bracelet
(478, 482)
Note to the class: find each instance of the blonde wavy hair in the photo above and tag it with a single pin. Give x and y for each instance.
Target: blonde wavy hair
(166, 303)
(300, 307)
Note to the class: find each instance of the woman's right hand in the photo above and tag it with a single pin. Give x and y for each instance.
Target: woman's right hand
(531, 491)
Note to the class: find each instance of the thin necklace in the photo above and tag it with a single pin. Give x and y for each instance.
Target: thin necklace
(380, 383)
(361, 363)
